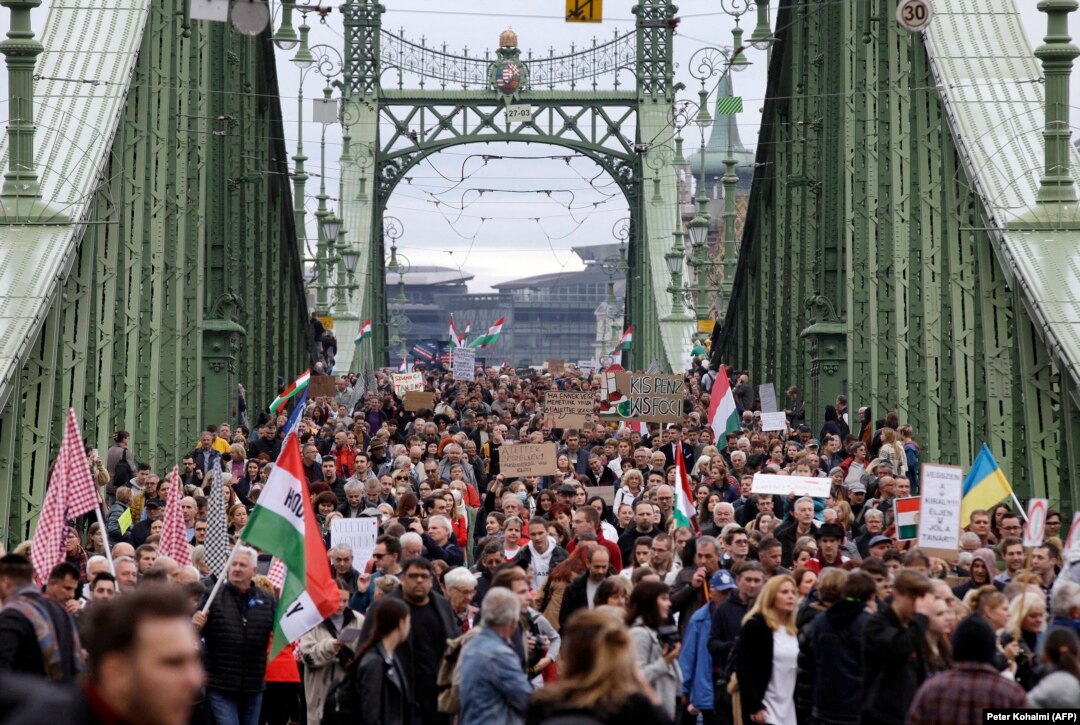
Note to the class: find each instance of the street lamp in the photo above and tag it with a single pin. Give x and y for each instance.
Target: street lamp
(285, 37)
(762, 37)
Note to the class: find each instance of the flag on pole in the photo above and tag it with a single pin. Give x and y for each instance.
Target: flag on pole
(491, 335)
(455, 338)
(365, 331)
(290, 392)
(283, 524)
(174, 540)
(217, 527)
(723, 417)
(626, 341)
(70, 494)
(465, 335)
(404, 366)
(685, 513)
(984, 485)
(295, 415)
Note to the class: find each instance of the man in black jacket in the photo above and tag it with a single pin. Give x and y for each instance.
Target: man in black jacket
(236, 635)
(643, 526)
(432, 624)
(676, 441)
(728, 617)
(892, 646)
(579, 594)
(542, 553)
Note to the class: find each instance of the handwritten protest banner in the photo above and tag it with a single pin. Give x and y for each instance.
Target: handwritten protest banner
(359, 534)
(770, 483)
(417, 400)
(767, 396)
(774, 421)
(463, 365)
(404, 382)
(568, 408)
(649, 397)
(556, 366)
(939, 510)
(527, 459)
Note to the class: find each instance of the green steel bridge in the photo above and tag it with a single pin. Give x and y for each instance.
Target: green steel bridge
(908, 241)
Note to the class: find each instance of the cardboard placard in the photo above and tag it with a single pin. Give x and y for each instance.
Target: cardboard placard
(417, 400)
(774, 421)
(556, 366)
(463, 364)
(322, 386)
(568, 408)
(404, 382)
(767, 396)
(605, 492)
(1072, 538)
(776, 485)
(587, 366)
(359, 534)
(527, 459)
(939, 510)
(649, 397)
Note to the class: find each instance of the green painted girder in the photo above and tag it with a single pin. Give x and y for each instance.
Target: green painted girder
(907, 294)
(185, 277)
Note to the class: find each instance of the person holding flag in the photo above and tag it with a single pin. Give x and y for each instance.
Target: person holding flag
(237, 618)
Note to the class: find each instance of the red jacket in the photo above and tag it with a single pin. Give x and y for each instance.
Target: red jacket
(613, 549)
(345, 457)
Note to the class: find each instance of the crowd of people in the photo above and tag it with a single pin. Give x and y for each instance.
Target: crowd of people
(571, 597)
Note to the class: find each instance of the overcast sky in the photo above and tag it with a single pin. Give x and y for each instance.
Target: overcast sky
(520, 229)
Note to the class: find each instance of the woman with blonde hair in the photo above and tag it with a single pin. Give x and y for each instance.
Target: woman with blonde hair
(597, 676)
(766, 655)
(1027, 620)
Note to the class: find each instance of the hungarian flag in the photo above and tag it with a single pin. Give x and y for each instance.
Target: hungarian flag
(685, 513)
(626, 341)
(403, 367)
(492, 334)
(455, 339)
(290, 392)
(365, 331)
(283, 524)
(723, 417)
(907, 518)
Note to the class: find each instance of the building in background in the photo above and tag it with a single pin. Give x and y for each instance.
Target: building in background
(567, 315)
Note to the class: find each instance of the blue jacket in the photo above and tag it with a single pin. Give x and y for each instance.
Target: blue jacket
(494, 688)
(696, 662)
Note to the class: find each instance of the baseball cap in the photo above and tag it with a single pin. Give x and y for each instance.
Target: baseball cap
(813, 443)
(567, 489)
(722, 581)
(879, 539)
(154, 503)
(856, 487)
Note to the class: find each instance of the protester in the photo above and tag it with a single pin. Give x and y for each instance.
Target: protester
(37, 635)
(384, 691)
(766, 655)
(325, 650)
(493, 687)
(656, 644)
(1059, 688)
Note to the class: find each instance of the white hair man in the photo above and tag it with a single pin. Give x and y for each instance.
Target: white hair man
(440, 543)
(455, 454)
(493, 686)
(236, 633)
(461, 588)
(412, 545)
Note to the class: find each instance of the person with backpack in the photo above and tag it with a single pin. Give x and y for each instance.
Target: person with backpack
(119, 462)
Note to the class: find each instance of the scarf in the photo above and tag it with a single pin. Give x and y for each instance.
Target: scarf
(30, 604)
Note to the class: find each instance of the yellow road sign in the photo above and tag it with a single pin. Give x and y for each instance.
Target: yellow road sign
(327, 322)
(584, 11)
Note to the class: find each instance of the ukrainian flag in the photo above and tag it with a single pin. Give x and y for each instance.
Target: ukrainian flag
(984, 485)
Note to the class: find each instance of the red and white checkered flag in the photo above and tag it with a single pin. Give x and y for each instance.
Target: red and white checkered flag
(277, 573)
(70, 493)
(174, 541)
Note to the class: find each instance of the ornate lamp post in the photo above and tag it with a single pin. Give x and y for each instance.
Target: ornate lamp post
(327, 61)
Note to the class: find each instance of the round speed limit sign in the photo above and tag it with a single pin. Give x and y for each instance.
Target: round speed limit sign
(914, 15)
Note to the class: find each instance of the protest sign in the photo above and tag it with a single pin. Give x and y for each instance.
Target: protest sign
(649, 397)
(1073, 528)
(321, 386)
(587, 366)
(1036, 521)
(568, 408)
(939, 509)
(527, 459)
(767, 396)
(417, 400)
(359, 534)
(556, 366)
(774, 421)
(404, 382)
(907, 518)
(463, 365)
(771, 483)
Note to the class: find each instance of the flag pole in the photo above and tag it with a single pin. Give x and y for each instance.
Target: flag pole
(105, 538)
(221, 577)
(1019, 508)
